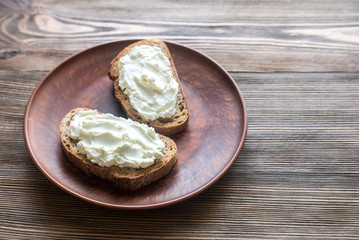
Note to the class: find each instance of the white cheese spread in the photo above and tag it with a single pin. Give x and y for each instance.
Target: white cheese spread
(145, 76)
(107, 140)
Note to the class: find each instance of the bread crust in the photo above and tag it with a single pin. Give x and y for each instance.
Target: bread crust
(124, 177)
(167, 126)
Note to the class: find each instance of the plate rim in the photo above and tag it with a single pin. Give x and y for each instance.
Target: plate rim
(142, 206)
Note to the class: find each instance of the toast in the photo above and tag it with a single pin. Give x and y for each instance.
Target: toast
(167, 126)
(125, 178)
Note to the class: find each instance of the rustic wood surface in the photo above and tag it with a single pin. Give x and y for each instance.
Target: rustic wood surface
(297, 65)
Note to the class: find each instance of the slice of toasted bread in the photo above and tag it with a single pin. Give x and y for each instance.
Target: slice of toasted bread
(167, 126)
(124, 177)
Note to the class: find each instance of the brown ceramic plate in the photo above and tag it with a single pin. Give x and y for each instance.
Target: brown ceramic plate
(215, 135)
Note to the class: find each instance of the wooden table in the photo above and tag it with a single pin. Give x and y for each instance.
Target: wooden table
(297, 65)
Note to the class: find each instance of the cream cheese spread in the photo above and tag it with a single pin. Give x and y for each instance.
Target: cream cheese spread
(107, 140)
(145, 76)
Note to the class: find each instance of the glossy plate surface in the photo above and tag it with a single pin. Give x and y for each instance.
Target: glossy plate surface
(214, 137)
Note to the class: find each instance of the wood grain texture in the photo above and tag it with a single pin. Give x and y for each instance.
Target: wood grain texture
(296, 63)
(262, 36)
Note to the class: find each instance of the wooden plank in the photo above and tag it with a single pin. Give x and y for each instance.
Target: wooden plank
(296, 177)
(298, 119)
(305, 122)
(256, 36)
(266, 206)
(296, 63)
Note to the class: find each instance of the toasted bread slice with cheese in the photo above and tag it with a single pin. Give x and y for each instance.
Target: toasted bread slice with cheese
(167, 126)
(125, 178)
